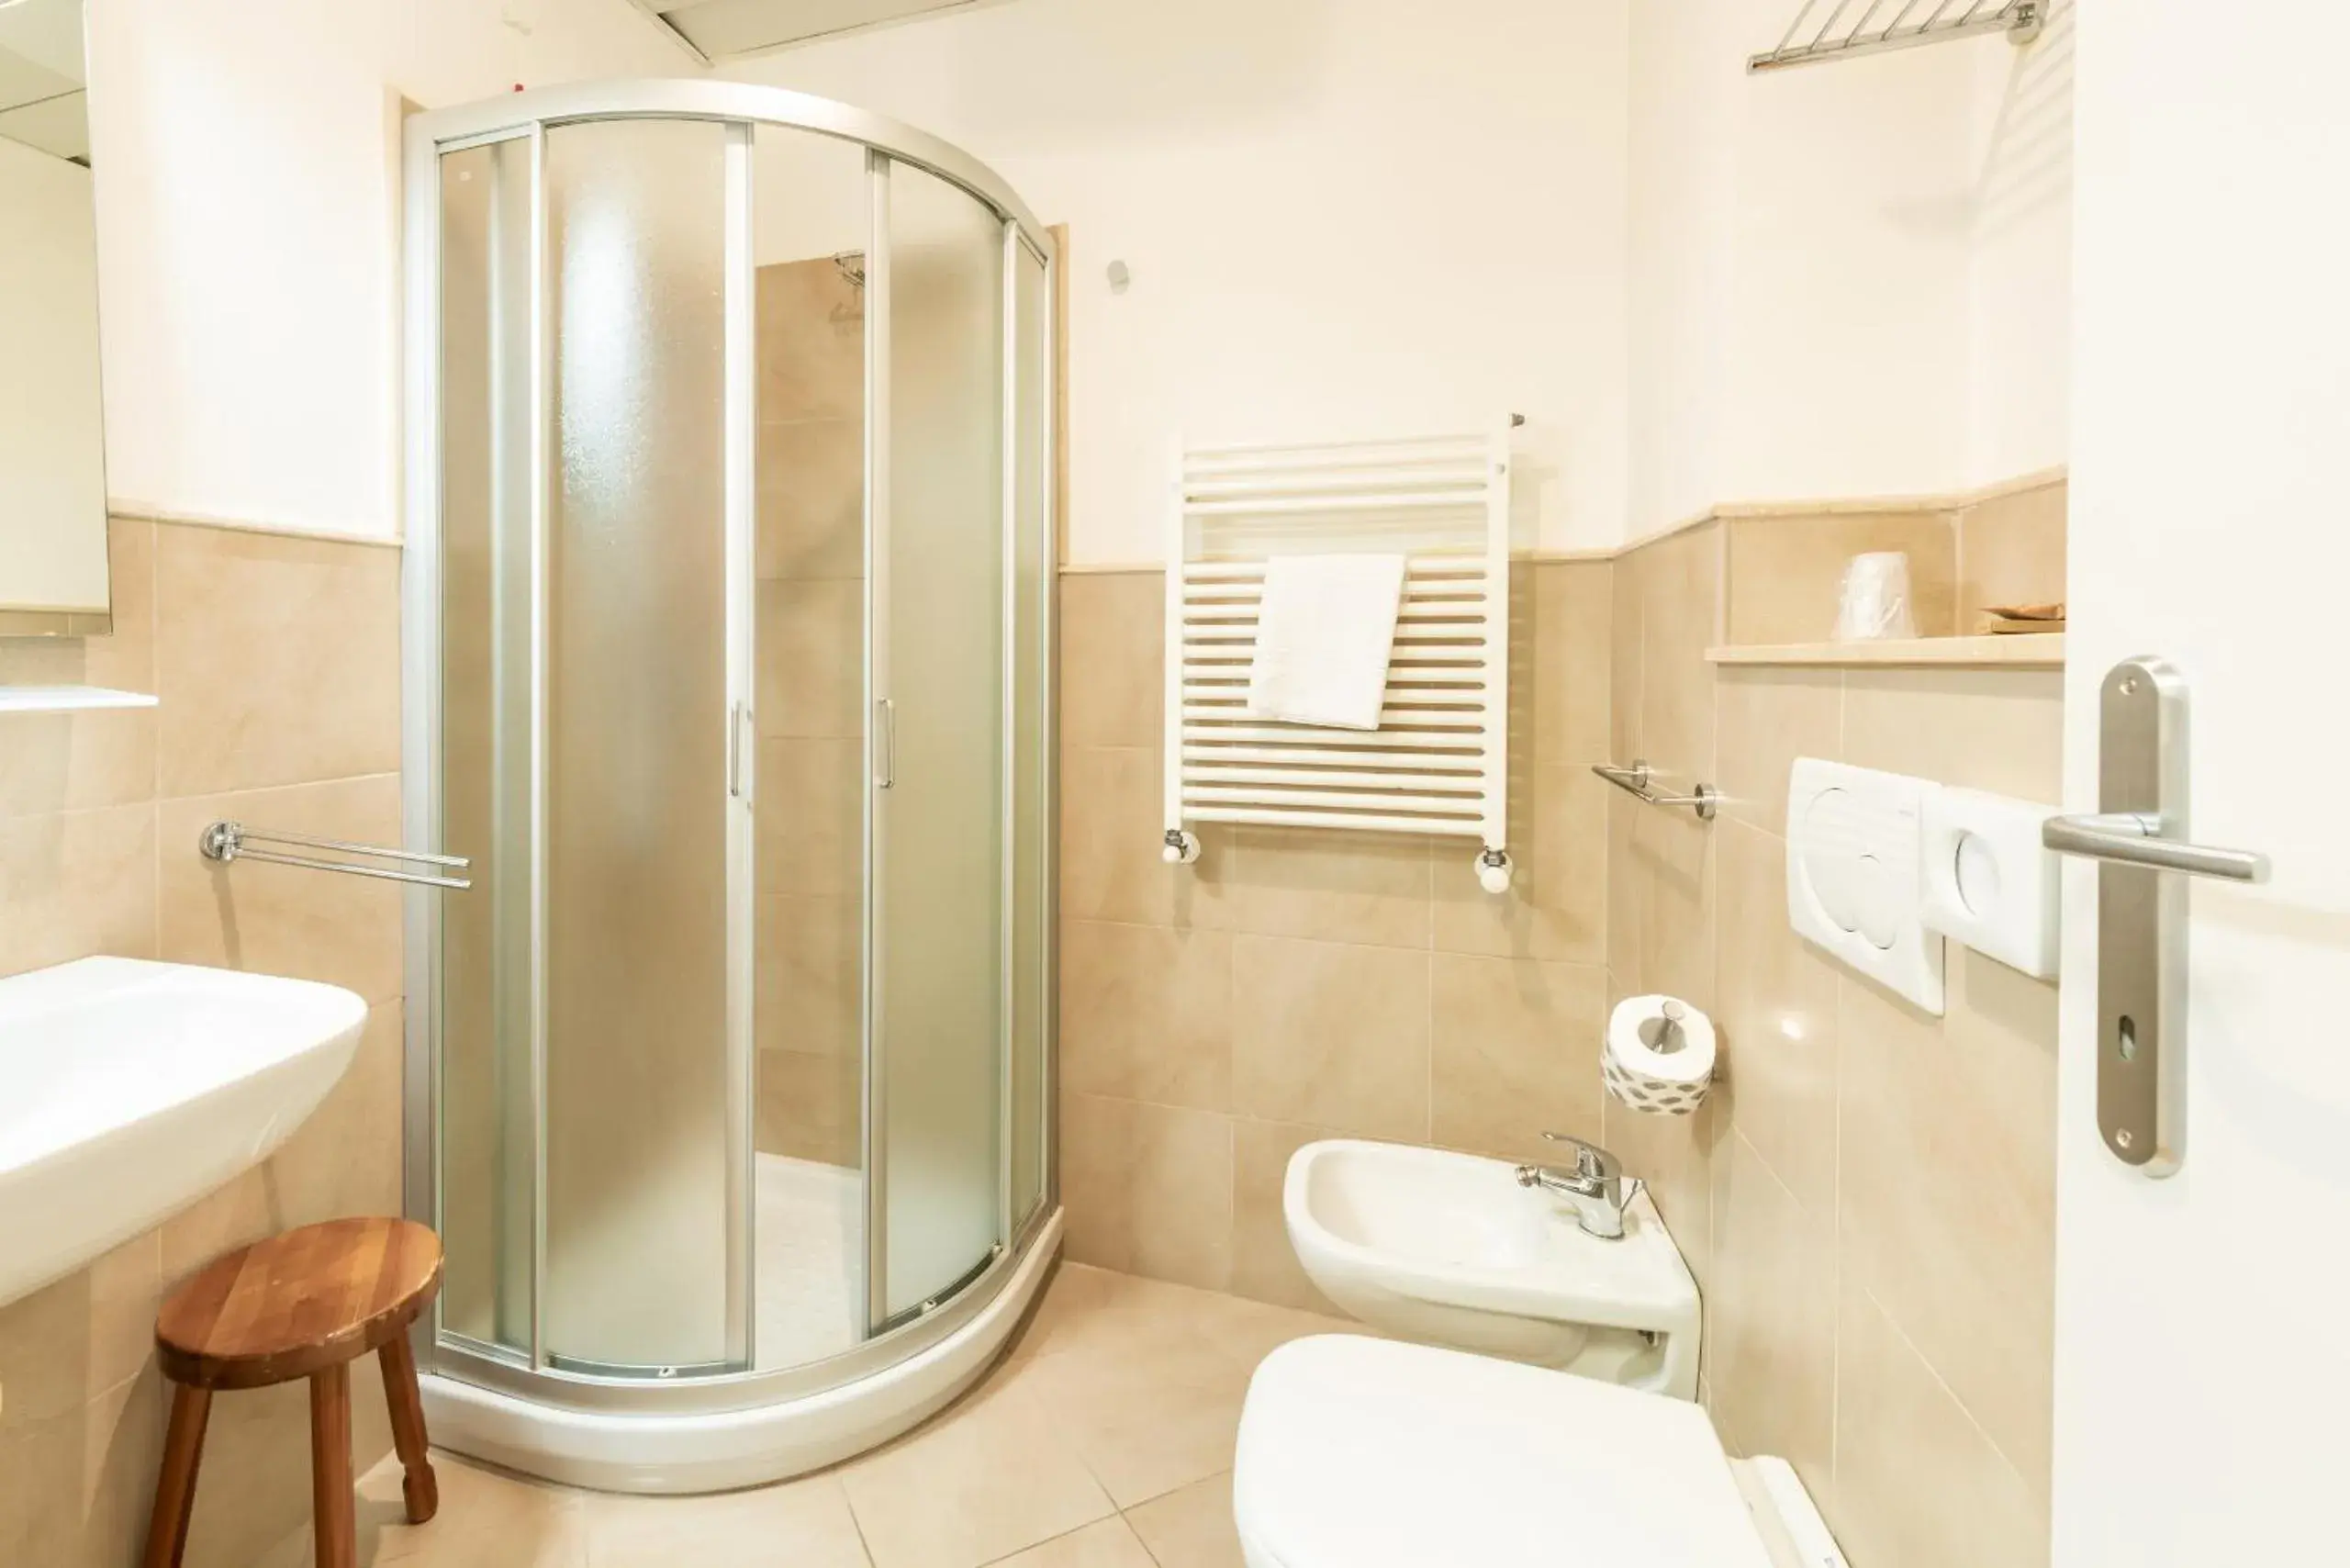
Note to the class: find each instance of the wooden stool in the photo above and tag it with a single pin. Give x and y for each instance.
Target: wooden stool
(306, 1304)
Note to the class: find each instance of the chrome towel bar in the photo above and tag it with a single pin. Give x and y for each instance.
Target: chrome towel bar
(1639, 782)
(227, 841)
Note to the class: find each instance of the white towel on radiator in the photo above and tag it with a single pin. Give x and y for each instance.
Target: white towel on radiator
(1325, 628)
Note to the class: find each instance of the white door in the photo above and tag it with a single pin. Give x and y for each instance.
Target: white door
(2203, 1320)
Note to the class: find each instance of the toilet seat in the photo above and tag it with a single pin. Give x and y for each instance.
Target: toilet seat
(1365, 1453)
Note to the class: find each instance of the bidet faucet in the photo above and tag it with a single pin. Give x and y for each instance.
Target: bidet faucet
(1595, 1189)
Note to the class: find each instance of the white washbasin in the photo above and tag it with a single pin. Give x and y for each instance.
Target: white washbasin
(130, 1089)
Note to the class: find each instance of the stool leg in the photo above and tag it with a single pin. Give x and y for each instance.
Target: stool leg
(176, 1486)
(334, 1523)
(418, 1484)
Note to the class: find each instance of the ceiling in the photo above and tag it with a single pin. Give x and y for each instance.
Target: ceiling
(717, 29)
(41, 102)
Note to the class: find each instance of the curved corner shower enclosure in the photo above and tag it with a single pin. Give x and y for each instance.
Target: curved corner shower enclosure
(729, 651)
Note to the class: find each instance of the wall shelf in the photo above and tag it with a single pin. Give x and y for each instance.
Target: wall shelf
(2028, 650)
(68, 699)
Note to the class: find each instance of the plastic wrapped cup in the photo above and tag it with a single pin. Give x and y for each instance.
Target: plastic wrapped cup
(1874, 600)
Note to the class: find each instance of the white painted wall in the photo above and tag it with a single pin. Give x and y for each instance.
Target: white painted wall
(52, 473)
(1342, 218)
(247, 154)
(1848, 279)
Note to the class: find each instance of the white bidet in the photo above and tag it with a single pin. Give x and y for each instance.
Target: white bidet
(1450, 1249)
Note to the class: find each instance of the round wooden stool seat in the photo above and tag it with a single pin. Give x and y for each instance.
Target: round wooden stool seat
(303, 1304)
(283, 1308)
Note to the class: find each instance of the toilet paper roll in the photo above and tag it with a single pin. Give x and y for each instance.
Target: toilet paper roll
(1659, 1055)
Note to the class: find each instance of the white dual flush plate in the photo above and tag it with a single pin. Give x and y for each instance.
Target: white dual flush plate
(1881, 867)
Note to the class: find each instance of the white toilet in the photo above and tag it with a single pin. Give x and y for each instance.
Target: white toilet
(1365, 1453)
(1454, 1250)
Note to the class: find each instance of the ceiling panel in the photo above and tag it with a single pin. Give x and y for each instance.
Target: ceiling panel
(722, 28)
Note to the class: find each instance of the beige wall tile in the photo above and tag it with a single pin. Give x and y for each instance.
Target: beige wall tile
(1627, 888)
(75, 1486)
(1367, 888)
(1771, 1320)
(1767, 719)
(1997, 730)
(68, 1342)
(810, 827)
(1776, 1020)
(1674, 1156)
(811, 657)
(2011, 551)
(282, 919)
(346, 1158)
(809, 1106)
(276, 660)
(1672, 856)
(1786, 573)
(812, 342)
(1516, 1053)
(1680, 581)
(1333, 1035)
(1948, 1140)
(77, 883)
(1113, 658)
(1113, 800)
(1264, 1263)
(1628, 583)
(811, 504)
(1179, 1201)
(1918, 1483)
(1574, 626)
(1097, 1178)
(809, 995)
(1556, 904)
(1147, 1013)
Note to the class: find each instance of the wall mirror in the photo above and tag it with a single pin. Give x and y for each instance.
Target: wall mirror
(53, 460)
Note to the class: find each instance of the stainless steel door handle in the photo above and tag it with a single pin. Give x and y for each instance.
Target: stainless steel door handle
(2140, 835)
(2136, 838)
(885, 743)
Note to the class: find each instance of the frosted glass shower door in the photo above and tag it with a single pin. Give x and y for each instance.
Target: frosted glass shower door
(646, 1127)
(938, 747)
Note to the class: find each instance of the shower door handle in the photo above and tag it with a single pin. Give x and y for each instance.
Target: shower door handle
(885, 743)
(739, 741)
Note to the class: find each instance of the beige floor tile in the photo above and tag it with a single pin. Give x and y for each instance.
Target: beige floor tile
(1144, 1425)
(1109, 1544)
(1091, 1310)
(1192, 1525)
(804, 1523)
(488, 1519)
(993, 1474)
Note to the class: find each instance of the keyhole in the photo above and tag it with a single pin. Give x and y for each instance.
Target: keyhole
(2126, 1039)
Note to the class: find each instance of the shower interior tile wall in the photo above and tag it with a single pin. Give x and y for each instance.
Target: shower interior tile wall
(1867, 1199)
(277, 662)
(809, 704)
